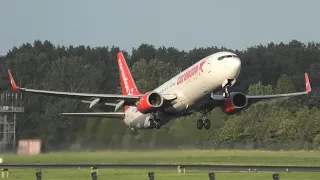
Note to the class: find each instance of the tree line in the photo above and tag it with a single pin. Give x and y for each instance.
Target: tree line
(273, 124)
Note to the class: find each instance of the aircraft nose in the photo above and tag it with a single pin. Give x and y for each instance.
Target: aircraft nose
(234, 64)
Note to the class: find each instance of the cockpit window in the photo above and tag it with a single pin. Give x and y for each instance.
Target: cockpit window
(226, 56)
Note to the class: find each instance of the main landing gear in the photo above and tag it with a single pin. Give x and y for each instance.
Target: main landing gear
(154, 122)
(204, 122)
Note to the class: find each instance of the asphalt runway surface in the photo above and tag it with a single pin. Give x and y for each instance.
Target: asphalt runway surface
(225, 168)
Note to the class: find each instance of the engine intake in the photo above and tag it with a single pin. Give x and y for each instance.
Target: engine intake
(149, 102)
(234, 103)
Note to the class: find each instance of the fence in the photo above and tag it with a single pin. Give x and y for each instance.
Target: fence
(94, 175)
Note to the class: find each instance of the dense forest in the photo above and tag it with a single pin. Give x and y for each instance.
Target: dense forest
(292, 123)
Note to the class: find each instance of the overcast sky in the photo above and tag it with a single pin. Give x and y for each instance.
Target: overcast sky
(184, 24)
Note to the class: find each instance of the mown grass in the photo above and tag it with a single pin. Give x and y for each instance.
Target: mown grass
(230, 157)
(124, 174)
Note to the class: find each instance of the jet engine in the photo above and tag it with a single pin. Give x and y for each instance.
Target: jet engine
(235, 103)
(149, 102)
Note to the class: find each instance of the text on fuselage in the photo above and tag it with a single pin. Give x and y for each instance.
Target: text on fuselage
(187, 75)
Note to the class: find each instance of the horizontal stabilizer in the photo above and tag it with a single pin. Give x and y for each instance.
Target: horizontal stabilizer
(97, 114)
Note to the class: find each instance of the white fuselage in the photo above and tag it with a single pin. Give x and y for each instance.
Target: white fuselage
(191, 86)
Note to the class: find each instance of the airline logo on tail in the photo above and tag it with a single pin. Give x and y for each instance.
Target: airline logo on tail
(125, 79)
(127, 83)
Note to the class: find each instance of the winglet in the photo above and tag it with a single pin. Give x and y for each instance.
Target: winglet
(13, 84)
(308, 86)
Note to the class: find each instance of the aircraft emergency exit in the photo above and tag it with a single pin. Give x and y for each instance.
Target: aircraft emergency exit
(200, 88)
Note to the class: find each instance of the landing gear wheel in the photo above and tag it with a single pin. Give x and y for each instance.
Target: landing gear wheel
(200, 124)
(157, 124)
(152, 123)
(207, 124)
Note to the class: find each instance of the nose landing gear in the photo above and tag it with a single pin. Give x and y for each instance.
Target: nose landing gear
(226, 93)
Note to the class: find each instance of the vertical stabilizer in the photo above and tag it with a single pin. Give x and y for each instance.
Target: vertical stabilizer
(127, 83)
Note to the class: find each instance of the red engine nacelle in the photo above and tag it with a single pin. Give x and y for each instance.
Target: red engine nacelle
(149, 102)
(234, 103)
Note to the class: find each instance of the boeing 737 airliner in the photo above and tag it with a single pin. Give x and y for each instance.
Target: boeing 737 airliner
(196, 89)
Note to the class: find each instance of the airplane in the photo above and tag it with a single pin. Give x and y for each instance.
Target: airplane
(202, 87)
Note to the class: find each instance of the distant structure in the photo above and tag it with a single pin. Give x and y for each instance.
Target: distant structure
(11, 104)
(29, 146)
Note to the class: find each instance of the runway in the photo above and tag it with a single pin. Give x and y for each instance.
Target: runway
(223, 168)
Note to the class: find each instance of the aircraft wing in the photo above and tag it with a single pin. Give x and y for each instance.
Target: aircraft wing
(255, 98)
(93, 98)
(119, 115)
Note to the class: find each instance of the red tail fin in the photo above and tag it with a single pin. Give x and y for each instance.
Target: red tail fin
(308, 86)
(127, 83)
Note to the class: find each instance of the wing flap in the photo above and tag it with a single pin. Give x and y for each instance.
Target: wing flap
(107, 104)
(97, 114)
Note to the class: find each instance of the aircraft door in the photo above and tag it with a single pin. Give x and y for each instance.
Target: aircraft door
(205, 65)
(209, 65)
